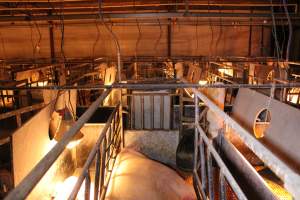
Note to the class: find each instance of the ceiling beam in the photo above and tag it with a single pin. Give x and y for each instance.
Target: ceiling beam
(145, 16)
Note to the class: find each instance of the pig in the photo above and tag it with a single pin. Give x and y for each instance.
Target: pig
(136, 177)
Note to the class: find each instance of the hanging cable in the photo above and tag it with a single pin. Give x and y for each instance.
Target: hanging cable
(38, 44)
(138, 39)
(290, 30)
(274, 31)
(220, 32)
(3, 46)
(62, 26)
(96, 41)
(212, 32)
(114, 38)
(197, 39)
(159, 38)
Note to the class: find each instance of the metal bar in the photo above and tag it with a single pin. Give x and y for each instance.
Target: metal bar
(202, 160)
(210, 176)
(195, 167)
(154, 86)
(161, 116)
(29, 182)
(130, 59)
(142, 112)
(236, 188)
(284, 172)
(155, 15)
(244, 169)
(198, 183)
(22, 110)
(103, 161)
(97, 174)
(51, 40)
(19, 120)
(87, 185)
(222, 195)
(152, 111)
(169, 39)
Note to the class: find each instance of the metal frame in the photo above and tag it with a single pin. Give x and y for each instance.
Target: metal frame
(290, 178)
(132, 119)
(40, 169)
(104, 154)
(204, 184)
(154, 86)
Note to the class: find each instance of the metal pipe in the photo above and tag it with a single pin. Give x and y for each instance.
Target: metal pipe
(34, 176)
(223, 168)
(290, 178)
(108, 16)
(244, 169)
(91, 156)
(154, 86)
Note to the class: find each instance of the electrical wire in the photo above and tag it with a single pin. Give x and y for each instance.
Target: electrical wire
(113, 36)
(37, 46)
(3, 46)
(274, 32)
(96, 41)
(159, 38)
(220, 32)
(197, 37)
(138, 39)
(212, 31)
(62, 26)
(290, 30)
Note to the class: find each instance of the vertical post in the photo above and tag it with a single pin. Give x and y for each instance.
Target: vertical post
(161, 112)
(222, 186)
(97, 175)
(210, 176)
(103, 161)
(51, 38)
(202, 163)
(262, 41)
(121, 125)
(180, 113)
(142, 111)
(169, 39)
(250, 37)
(87, 185)
(19, 120)
(196, 133)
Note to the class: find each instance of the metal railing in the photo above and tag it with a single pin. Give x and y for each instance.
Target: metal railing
(204, 184)
(24, 188)
(144, 103)
(288, 176)
(104, 154)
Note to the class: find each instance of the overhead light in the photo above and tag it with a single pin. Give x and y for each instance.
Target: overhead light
(202, 82)
(64, 124)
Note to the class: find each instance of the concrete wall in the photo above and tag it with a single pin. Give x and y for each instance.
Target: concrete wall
(282, 136)
(30, 144)
(157, 145)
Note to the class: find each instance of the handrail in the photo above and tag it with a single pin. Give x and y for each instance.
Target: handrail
(202, 142)
(290, 178)
(22, 110)
(30, 181)
(95, 154)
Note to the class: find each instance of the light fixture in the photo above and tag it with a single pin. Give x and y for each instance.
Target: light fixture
(63, 124)
(202, 82)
